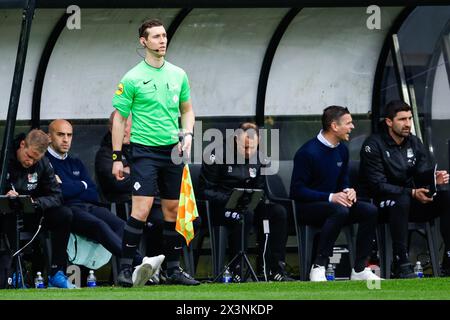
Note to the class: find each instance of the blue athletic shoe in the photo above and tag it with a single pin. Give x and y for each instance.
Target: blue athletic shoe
(60, 280)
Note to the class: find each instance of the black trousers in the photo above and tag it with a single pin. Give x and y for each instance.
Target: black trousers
(57, 220)
(399, 210)
(277, 216)
(99, 224)
(331, 217)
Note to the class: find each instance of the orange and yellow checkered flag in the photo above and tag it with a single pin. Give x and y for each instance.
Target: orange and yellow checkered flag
(187, 207)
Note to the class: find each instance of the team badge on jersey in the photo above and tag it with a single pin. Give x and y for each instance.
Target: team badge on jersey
(175, 98)
(76, 173)
(339, 164)
(137, 186)
(230, 169)
(367, 149)
(252, 172)
(388, 154)
(409, 153)
(119, 90)
(32, 177)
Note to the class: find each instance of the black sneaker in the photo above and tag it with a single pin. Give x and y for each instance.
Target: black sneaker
(281, 275)
(125, 277)
(181, 277)
(403, 271)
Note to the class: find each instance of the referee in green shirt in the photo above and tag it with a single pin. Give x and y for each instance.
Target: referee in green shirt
(155, 92)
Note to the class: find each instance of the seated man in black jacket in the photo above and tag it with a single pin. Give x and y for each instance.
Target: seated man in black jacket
(397, 170)
(217, 181)
(30, 173)
(119, 191)
(112, 189)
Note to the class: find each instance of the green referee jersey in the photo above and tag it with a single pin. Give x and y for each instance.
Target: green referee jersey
(153, 96)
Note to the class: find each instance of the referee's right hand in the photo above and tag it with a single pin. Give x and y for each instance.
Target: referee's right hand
(117, 170)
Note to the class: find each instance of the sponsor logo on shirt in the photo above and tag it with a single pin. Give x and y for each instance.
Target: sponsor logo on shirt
(367, 149)
(76, 173)
(119, 90)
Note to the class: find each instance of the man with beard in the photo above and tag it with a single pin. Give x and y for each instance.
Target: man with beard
(396, 170)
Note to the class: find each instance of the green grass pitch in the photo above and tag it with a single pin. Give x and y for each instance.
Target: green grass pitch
(417, 289)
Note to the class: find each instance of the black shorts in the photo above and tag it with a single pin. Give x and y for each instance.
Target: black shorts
(153, 172)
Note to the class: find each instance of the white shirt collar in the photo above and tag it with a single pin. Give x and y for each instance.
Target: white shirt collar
(325, 141)
(56, 154)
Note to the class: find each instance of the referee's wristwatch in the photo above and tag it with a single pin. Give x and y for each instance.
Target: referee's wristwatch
(117, 156)
(189, 134)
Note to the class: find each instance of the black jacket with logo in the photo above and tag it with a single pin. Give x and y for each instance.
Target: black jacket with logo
(217, 178)
(38, 181)
(390, 169)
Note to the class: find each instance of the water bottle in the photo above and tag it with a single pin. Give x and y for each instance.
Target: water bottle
(418, 270)
(330, 273)
(39, 281)
(91, 280)
(226, 276)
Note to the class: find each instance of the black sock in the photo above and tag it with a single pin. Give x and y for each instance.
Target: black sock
(131, 237)
(173, 245)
